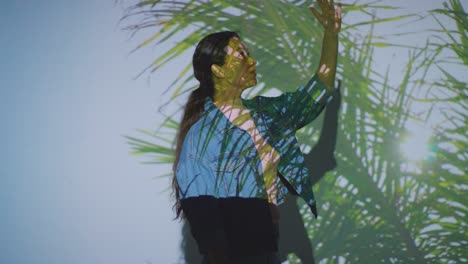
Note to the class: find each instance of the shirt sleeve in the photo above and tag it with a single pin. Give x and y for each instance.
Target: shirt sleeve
(195, 178)
(297, 109)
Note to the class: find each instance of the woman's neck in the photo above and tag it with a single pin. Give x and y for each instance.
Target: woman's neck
(228, 101)
(227, 94)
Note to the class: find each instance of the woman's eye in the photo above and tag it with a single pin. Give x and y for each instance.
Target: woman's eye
(241, 54)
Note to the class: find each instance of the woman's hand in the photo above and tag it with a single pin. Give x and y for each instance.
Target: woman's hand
(330, 18)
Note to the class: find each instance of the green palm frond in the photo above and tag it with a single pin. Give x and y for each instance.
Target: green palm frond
(373, 208)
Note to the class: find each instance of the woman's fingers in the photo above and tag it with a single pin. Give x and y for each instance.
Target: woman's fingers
(325, 5)
(321, 4)
(338, 17)
(330, 17)
(317, 15)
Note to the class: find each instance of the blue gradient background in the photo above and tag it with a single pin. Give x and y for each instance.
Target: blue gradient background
(69, 190)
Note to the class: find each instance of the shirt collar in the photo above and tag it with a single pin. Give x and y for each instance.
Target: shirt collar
(215, 117)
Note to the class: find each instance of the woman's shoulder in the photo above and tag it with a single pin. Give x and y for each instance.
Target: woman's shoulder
(267, 102)
(204, 130)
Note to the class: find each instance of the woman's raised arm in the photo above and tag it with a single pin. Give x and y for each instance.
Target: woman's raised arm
(331, 22)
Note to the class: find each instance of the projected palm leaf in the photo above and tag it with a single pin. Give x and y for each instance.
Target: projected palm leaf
(374, 207)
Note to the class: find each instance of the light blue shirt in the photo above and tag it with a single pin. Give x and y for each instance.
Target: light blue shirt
(219, 159)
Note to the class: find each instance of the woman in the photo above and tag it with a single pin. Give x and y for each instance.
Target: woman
(236, 159)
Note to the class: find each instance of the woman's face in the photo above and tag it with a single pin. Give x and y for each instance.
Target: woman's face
(239, 68)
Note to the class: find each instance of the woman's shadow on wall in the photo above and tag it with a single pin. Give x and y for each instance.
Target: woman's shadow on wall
(293, 235)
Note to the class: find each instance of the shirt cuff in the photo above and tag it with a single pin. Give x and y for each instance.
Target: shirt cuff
(318, 91)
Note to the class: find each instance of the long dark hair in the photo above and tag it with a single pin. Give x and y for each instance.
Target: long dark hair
(210, 50)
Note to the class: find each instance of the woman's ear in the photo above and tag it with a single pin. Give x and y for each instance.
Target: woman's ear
(217, 71)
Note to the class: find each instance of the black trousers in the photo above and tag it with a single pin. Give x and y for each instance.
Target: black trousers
(242, 227)
(265, 258)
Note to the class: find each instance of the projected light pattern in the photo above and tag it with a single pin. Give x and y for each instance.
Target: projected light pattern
(416, 147)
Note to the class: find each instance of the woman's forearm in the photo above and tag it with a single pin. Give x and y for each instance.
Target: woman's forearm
(328, 60)
(330, 18)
